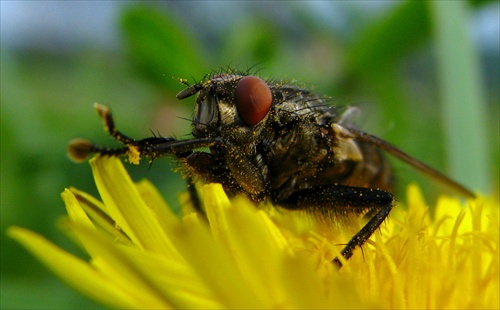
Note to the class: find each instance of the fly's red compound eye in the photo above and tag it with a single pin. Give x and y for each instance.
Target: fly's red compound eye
(253, 99)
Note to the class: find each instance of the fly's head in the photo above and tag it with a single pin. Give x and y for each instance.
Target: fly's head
(231, 107)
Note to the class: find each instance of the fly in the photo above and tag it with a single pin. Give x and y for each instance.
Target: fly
(275, 141)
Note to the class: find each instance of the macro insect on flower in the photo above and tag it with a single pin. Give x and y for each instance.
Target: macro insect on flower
(274, 141)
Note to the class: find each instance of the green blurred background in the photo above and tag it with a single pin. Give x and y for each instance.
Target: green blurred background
(426, 75)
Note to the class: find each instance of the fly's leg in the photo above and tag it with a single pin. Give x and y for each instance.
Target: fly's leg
(360, 238)
(339, 199)
(153, 147)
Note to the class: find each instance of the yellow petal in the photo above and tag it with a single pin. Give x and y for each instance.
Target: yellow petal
(157, 204)
(154, 279)
(77, 201)
(214, 265)
(75, 211)
(126, 206)
(75, 272)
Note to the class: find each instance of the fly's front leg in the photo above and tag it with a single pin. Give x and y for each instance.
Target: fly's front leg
(338, 199)
(153, 147)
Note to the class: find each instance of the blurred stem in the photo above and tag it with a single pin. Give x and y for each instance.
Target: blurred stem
(461, 95)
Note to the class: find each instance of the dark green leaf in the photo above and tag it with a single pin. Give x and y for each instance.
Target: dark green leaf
(160, 47)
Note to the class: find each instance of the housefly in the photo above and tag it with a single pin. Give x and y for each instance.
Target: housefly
(271, 140)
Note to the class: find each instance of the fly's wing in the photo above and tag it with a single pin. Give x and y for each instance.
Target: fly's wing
(418, 165)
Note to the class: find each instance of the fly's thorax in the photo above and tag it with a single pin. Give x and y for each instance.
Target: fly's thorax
(295, 104)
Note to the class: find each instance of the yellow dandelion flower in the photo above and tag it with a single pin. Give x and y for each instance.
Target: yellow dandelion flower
(143, 256)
